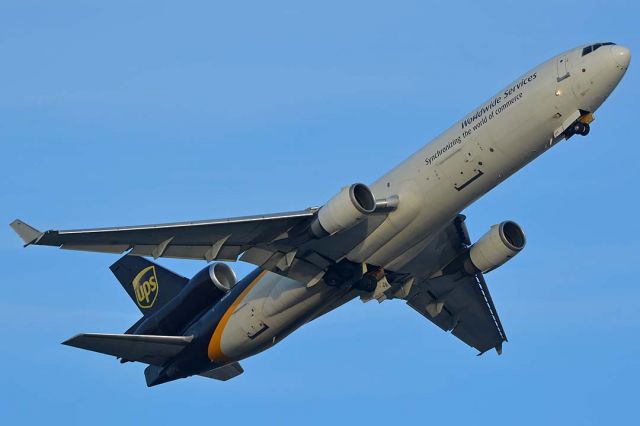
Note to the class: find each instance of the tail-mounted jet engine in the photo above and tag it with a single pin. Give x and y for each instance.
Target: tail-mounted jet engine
(344, 210)
(495, 248)
(202, 291)
(214, 281)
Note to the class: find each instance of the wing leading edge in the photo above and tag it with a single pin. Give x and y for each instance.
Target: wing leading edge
(222, 239)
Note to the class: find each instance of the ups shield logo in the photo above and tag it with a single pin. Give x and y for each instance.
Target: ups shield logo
(145, 287)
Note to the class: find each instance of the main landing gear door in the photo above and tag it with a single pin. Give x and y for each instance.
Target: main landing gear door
(563, 68)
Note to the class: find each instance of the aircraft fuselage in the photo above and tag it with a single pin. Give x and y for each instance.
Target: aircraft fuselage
(519, 123)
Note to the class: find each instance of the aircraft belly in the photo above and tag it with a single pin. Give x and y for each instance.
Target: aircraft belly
(270, 312)
(395, 224)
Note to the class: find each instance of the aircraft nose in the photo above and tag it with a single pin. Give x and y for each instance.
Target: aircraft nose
(621, 55)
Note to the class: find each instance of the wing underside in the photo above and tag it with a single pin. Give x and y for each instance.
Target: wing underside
(269, 241)
(279, 243)
(456, 302)
(221, 239)
(462, 305)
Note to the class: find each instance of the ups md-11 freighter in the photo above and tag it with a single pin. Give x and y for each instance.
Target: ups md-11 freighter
(402, 237)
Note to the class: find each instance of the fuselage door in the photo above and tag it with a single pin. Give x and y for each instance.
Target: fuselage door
(563, 67)
(465, 165)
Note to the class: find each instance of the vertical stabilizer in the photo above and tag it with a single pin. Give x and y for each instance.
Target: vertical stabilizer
(149, 285)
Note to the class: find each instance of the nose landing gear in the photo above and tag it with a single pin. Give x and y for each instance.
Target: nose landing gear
(580, 128)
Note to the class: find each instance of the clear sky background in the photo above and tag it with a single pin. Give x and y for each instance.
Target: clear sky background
(131, 112)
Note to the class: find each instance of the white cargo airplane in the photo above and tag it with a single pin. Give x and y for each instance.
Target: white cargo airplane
(408, 242)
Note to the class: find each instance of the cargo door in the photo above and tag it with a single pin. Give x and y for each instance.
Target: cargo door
(465, 166)
(563, 67)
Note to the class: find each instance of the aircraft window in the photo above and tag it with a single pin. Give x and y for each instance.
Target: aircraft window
(595, 47)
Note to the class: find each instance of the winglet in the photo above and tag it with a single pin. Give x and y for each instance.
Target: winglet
(28, 233)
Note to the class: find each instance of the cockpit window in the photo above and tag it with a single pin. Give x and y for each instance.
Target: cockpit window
(595, 47)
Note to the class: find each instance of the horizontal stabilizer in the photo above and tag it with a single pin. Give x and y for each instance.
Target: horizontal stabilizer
(225, 373)
(27, 233)
(154, 350)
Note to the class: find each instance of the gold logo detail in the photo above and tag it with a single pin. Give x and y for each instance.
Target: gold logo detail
(145, 286)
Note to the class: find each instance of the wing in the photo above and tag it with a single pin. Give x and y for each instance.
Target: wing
(456, 302)
(281, 243)
(264, 240)
(208, 239)
(460, 304)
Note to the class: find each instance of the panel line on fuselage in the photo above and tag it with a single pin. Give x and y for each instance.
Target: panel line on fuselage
(467, 183)
(215, 350)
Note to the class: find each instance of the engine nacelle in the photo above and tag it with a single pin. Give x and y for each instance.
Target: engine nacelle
(202, 291)
(206, 288)
(218, 275)
(344, 210)
(496, 247)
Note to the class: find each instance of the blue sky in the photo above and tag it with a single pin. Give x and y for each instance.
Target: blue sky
(134, 112)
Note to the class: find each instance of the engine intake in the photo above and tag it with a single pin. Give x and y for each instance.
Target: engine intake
(496, 247)
(222, 276)
(344, 210)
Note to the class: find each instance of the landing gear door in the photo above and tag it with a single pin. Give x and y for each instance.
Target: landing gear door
(563, 68)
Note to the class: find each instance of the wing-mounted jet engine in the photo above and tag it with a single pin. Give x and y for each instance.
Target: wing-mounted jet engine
(495, 248)
(501, 243)
(348, 207)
